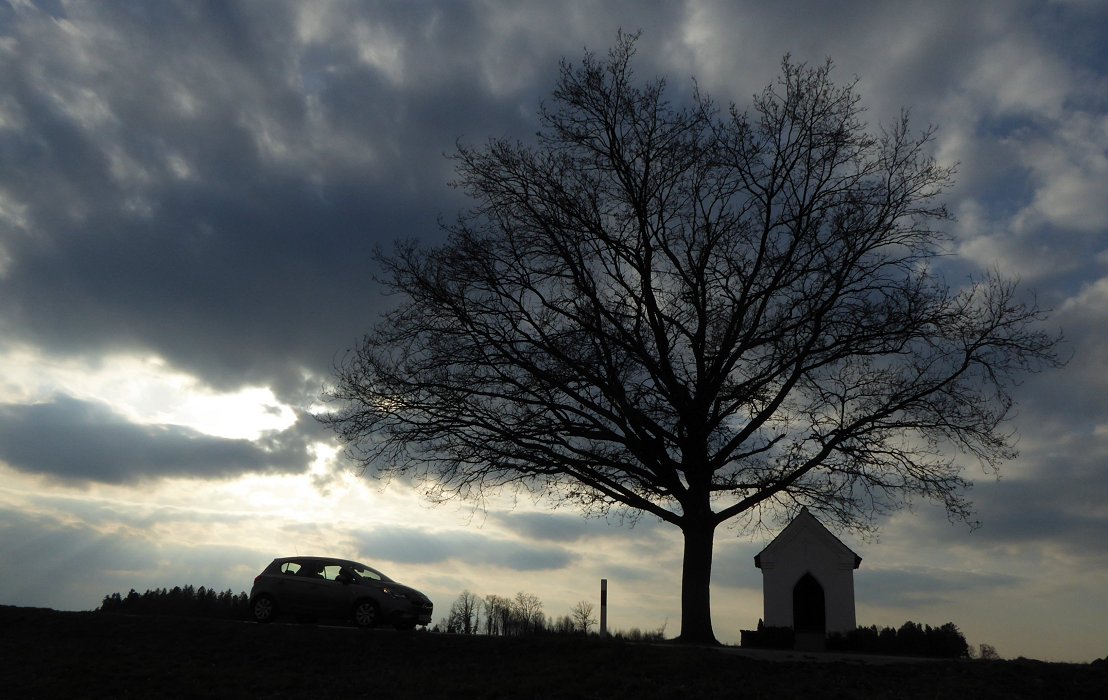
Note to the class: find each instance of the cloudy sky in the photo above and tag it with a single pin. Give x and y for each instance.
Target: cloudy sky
(189, 195)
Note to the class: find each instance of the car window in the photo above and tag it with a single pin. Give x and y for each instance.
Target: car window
(290, 567)
(331, 571)
(370, 574)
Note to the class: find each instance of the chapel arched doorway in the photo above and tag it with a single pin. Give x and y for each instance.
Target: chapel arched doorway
(809, 606)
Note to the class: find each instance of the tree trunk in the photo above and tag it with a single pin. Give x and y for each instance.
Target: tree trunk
(696, 579)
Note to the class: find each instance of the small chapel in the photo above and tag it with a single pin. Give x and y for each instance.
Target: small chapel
(808, 581)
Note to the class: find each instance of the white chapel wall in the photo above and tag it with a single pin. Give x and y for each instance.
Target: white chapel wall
(808, 551)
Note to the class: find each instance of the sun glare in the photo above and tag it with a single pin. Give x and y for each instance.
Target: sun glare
(146, 390)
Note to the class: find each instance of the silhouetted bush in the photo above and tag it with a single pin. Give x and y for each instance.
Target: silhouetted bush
(637, 635)
(988, 653)
(184, 601)
(912, 639)
(767, 637)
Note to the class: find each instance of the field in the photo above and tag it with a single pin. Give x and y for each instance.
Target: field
(44, 653)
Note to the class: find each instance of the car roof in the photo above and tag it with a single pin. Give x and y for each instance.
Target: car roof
(336, 560)
(333, 560)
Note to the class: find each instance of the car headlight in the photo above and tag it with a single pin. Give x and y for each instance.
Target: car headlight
(399, 595)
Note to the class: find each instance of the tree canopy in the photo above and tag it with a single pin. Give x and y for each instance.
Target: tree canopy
(698, 313)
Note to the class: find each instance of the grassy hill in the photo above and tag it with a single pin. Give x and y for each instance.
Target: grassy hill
(44, 653)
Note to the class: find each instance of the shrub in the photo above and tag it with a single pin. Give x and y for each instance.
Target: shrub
(988, 653)
(911, 639)
(767, 637)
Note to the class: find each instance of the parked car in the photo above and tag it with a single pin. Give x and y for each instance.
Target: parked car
(322, 587)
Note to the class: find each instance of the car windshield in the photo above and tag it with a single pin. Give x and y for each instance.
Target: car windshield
(369, 573)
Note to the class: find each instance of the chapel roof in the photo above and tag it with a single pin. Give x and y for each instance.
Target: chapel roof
(806, 522)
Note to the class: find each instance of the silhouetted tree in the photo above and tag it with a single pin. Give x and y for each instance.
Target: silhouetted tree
(186, 601)
(516, 616)
(564, 625)
(112, 603)
(988, 653)
(910, 639)
(527, 614)
(464, 614)
(583, 618)
(696, 314)
(498, 612)
(948, 641)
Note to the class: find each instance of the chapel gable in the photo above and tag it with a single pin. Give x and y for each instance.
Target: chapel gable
(808, 580)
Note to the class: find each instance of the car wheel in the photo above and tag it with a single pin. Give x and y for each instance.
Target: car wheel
(263, 609)
(365, 613)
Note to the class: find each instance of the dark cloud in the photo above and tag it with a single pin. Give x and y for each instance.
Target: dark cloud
(404, 545)
(1048, 504)
(568, 528)
(79, 440)
(208, 181)
(1057, 513)
(180, 196)
(916, 587)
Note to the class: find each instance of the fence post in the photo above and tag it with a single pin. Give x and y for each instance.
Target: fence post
(603, 608)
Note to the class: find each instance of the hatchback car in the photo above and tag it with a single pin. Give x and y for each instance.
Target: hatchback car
(336, 588)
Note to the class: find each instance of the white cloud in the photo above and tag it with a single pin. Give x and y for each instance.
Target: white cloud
(1019, 75)
(1069, 165)
(147, 391)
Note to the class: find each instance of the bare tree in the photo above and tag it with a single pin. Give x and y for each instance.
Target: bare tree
(527, 614)
(465, 614)
(702, 315)
(498, 615)
(582, 614)
(563, 625)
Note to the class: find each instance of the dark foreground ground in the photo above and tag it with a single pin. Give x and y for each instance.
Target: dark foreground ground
(44, 653)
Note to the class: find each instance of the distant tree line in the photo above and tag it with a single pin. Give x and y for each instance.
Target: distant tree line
(184, 601)
(522, 615)
(911, 639)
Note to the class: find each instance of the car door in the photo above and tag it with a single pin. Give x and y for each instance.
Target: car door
(297, 587)
(333, 597)
(314, 592)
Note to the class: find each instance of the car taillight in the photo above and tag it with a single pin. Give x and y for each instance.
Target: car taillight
(256, 579)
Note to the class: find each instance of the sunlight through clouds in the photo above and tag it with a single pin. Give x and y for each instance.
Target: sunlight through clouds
(148, 391)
